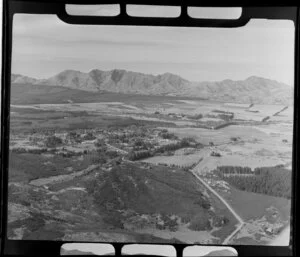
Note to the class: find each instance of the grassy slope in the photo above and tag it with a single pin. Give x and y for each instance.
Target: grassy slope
(148, 191)
(27, 166)
(251, 205)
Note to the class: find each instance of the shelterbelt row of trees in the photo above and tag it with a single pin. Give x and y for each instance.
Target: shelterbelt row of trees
(274, 181)
(184, 142)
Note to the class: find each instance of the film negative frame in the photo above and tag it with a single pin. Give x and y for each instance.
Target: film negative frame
(251, 9)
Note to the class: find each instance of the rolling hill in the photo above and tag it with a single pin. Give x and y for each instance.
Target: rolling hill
(251, 90)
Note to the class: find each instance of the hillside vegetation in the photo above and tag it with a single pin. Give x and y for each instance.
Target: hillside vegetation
(148, 191)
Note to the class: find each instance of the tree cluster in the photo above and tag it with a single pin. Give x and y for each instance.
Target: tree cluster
(53, 141)
(141, 154)
(138, 155)
(274, 181)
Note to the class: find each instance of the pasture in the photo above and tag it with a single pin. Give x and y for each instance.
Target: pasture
(243, 202)
(176, 160)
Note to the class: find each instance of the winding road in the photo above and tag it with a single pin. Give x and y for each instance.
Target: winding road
(240, 220)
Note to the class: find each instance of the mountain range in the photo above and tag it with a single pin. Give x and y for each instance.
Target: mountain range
(251, 90)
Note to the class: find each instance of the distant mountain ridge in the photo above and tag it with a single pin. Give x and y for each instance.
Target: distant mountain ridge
(252, 90)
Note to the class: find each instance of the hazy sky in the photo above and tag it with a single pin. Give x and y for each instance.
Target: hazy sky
(43, 45)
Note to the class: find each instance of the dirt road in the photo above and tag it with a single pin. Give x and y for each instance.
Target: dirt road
(240, 220)
(114, 148)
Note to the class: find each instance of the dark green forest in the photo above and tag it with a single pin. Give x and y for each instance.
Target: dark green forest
(274, 181)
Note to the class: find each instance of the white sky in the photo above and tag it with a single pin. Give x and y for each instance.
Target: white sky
(43, 45)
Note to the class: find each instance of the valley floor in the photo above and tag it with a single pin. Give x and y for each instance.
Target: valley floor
(181, 171)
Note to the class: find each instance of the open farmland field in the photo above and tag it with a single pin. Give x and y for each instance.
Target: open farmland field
(242, 202)
(212, 163)
(204, 136)
(259, 112)
(30, 120)
(179, 159)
